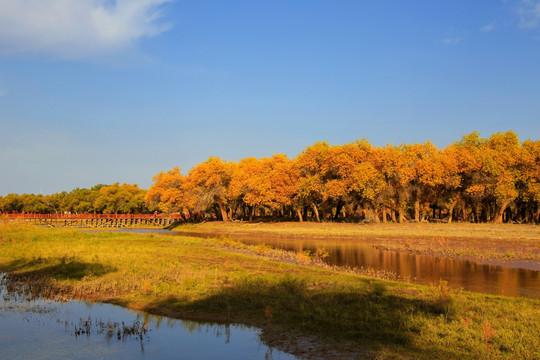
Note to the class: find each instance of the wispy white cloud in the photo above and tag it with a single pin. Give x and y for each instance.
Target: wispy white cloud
(488, 27)
(77, 28)
(529, 14)
(451, 40)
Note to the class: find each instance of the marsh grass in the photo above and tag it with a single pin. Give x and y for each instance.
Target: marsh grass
(222, 280)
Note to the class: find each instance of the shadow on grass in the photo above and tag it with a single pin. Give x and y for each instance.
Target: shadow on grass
(59, 268)
(372, 318)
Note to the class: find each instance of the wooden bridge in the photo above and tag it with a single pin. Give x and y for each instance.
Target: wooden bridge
(98, 220)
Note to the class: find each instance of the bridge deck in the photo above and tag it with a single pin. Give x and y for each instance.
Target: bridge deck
(97, 220)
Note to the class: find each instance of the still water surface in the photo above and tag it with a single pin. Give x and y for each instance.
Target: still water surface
(41, 329)
(424, 269)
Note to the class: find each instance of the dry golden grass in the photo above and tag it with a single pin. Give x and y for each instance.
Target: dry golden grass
(509, 232)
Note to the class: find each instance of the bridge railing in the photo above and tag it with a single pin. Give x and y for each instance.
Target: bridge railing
(92, 216)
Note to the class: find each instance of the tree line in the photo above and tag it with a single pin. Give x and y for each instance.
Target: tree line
(99, 199)
(495, 179)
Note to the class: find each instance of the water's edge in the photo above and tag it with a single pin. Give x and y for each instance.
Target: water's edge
(36, 328)
(406, 266)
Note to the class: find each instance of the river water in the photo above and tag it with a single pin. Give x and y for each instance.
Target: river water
(43, 329)
(423, 269)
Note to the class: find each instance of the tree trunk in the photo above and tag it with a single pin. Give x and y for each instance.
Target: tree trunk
(316, 212)
(338, 209)
(476, 210)
(223, 212)
(376, 216)
(499, 218)
(384, 214)
(451, 210)
(300, 219)
(393, 215)
(465, 213)
(484, 214)
(400, 215)
(417, 210)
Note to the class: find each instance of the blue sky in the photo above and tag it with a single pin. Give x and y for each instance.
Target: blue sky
(100, 91)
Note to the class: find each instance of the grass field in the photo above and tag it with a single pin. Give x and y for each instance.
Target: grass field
(461, 230)
(305, 309)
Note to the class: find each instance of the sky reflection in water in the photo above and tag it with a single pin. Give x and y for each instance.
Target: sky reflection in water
(40, 329)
